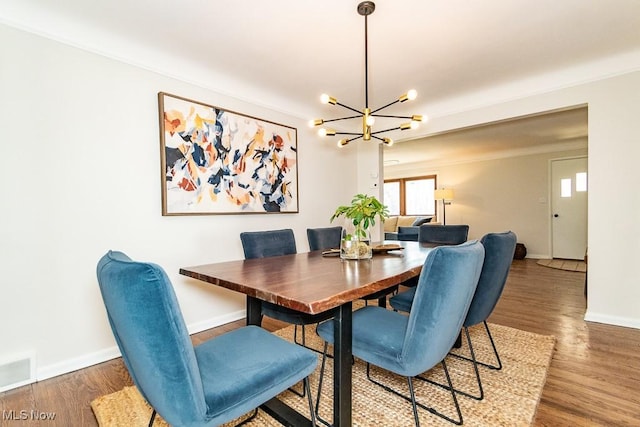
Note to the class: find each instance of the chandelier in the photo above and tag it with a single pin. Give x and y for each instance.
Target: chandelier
(368, 116)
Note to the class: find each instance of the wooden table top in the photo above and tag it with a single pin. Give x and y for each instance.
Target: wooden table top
(313, 283)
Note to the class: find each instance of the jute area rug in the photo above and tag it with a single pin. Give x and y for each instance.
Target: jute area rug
(511, 394)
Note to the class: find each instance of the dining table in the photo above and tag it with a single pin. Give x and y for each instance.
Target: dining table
(313, 282)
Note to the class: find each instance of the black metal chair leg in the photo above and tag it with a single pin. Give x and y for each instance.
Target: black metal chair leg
(255, 413)
(320, 380)
(304, 340)
(480, 395)
(296, 392)
(153, 418)
(495, 350)
(498, 365)
(413, 400)
(312, 411)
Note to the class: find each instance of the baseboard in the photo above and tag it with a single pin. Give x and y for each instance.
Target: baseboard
(104, 355)
(612, 320)
(194, 328)
(74, 364)
(538, 256)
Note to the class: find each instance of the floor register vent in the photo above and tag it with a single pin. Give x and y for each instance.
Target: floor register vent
(17, 372)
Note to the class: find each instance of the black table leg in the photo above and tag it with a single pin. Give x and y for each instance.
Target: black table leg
(342, 366)
(254, 311)
(286, 415)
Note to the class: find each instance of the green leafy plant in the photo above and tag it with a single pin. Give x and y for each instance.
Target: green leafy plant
(362, 212)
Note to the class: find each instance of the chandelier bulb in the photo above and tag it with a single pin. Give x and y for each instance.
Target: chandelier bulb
(387, 141)
(342, 143)
(409, 96)
(370, 120)
(326, 99)
(326, 132)
(315, 122)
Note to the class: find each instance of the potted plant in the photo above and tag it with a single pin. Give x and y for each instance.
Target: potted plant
(361, 215)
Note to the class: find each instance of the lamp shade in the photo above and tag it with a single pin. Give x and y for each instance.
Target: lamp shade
(443, 194)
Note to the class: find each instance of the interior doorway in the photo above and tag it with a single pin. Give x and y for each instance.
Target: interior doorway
(569, 191)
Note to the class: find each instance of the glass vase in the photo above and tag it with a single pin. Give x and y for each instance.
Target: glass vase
(354, 245)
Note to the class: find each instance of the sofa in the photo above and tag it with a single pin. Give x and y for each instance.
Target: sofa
(404, 227)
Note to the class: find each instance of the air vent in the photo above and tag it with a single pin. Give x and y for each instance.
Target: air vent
(17, 372)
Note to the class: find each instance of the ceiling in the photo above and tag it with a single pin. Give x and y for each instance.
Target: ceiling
(282, 54)
(545, 132)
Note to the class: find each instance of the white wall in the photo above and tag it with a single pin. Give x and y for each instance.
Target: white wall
(81, 175)
(510, 193)
(614, 202)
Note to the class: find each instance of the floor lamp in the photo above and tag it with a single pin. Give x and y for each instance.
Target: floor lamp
(446, 195)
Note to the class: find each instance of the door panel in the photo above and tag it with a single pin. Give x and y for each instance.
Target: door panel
(569, 208)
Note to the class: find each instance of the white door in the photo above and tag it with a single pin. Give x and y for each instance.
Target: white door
(569, 208)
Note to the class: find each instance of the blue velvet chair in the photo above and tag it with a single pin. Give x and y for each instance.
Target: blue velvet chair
(411, 345)
(324, 238)
(262, 244)
(207, 385)
(443, 234)
(438, 234)
(499, 250)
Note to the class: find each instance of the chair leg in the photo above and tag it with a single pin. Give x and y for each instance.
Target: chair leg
(320, 380)
(495, 350)
(243, 422)
(153, 418)
(414, 402)
(480, 395)
(296, 392)
(304, 340)
(312, 411)
(498, 365)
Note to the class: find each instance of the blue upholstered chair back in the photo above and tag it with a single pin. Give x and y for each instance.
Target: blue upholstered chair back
(149, 329)
(443, 234)
(324, 238)
(262, 244)
(499, 249)
(444, 292)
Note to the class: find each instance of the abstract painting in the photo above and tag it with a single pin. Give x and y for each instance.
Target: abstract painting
(216, 161)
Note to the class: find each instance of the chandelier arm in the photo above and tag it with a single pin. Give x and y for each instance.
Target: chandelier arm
(341, 118)
(393, 117)
(385, 106)
(358, 135)
(385, 130)
(349, 108)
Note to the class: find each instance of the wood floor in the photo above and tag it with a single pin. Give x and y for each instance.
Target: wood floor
(594, 379)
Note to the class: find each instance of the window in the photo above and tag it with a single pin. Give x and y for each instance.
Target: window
(581, 181)
(410, 196)
(565, 187)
